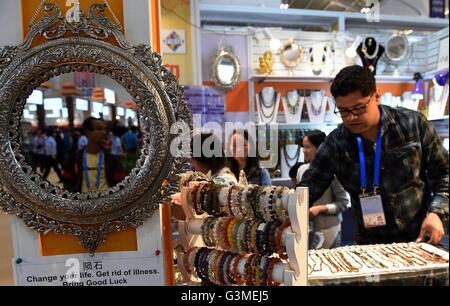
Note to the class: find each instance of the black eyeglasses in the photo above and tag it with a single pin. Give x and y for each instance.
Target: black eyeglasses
(354, 111)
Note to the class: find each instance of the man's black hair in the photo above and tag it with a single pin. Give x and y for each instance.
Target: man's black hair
(351, 79)
(87, 123)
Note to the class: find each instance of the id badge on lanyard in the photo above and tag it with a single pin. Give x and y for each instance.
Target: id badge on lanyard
(371, 204)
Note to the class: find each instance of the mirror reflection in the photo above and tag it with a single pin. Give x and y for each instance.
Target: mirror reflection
(80, 131)
(226, 70)
(397, 48)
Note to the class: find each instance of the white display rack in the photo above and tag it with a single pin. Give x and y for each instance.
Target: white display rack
(294, 238)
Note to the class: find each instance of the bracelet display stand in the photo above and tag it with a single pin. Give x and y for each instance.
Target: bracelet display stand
(294, 238)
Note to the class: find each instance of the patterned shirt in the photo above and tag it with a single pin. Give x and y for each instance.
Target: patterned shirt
(414, 177)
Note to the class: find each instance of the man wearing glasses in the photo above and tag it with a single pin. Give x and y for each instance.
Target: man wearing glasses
(390, 161)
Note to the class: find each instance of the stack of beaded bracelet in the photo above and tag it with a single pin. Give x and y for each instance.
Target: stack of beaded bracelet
(244, 235)
(222, 268)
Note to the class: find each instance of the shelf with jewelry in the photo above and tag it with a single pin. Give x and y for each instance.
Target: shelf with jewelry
(242, 234)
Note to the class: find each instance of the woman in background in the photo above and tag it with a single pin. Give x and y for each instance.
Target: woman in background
(240, 145)
(325, 213)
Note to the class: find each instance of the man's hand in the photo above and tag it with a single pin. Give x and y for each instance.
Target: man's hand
(433, 228)
(316, 210)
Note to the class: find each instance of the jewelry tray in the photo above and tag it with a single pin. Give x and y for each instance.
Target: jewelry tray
(396, 275)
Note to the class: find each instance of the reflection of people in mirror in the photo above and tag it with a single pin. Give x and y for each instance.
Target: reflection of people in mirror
(38, 148)
(51, 154)
(92, 168)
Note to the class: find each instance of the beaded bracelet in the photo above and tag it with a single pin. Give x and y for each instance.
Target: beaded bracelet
(256, 271)
(272, 263)
(251, 198)
(248, 270)
(211, 263)
(259, 194)
(216, 267)
(221, 267)
(265, 239)
(279, 234)
(216, 231)
(230, 228)
(193, 196)
(229, 199)
(199, 263)
(224, 231)
(227, 276)
(236, 228)
(270, 204)
(240, 237)
(237, 278)
(206, 229)
(273, 228)
(253, 234)
(203, 197)
(245, 236)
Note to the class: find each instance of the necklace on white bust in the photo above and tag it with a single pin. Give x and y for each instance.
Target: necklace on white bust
(316, 101)
(267, 99)
(375, 53)
(293, 101)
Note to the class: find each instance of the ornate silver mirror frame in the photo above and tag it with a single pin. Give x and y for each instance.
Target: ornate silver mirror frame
(225, 53)
(89, 216)
(398, 48)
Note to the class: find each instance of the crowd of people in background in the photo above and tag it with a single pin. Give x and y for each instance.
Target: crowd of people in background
(51, 147)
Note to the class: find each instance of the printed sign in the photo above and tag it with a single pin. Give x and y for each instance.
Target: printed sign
(96, 272)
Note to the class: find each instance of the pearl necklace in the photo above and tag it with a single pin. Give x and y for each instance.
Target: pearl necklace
(375, 53)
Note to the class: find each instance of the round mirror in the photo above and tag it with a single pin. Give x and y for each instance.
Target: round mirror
(291, 54)
(40, 93)
(225, 69)
(397, 48)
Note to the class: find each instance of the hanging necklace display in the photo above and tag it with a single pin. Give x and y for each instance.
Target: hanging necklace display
(293, 106)
(370, 52)
(267, 106)
(290, 160)
(316, 104)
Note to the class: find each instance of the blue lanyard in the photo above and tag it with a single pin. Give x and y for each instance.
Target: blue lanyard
(99, 170)
(362, 167)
